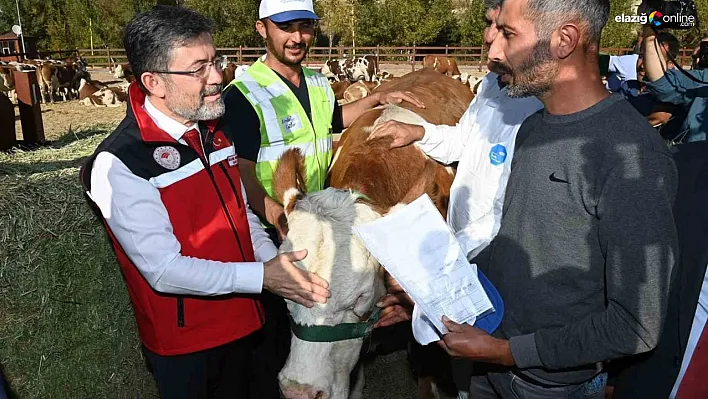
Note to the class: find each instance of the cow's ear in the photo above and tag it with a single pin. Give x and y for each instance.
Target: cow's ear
(290, 198)
(290, 178)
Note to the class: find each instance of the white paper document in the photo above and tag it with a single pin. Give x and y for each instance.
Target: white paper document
(418, 248)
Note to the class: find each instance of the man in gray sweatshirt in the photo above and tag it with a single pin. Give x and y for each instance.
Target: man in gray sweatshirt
(587, 242)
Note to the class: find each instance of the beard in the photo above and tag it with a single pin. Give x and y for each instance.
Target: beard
(195, 109)
(282, 55)
(534, 76)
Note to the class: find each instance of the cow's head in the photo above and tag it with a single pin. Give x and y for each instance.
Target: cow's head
(119, 73)
(321, 222)
(81, 65)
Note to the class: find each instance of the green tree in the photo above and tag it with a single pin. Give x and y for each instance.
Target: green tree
(470, 22)
(404, 22)
(336, 20)
(620, 34)
(234, 20)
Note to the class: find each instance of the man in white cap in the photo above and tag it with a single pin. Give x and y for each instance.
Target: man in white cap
(275, 105)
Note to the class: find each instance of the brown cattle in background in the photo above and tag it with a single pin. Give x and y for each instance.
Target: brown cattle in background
(444, 65)
(228, 72)
(124, 71)
(359, 90)
(339, 88)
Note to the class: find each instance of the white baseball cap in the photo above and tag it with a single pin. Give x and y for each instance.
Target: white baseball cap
(286, 10)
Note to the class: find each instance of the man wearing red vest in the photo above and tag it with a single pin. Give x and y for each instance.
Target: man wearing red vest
(167, 187)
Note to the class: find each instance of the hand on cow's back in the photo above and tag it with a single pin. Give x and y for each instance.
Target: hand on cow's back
(397, 97)
(283, 278)
(401, 134)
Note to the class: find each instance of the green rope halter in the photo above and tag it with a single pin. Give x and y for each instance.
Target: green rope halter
(335, 333)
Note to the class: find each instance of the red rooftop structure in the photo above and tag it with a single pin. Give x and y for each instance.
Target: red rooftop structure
(11, 47)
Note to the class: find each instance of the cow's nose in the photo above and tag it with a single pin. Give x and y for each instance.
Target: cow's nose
(301, 391)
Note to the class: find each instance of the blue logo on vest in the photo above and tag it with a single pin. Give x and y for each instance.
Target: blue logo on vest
(497, 155)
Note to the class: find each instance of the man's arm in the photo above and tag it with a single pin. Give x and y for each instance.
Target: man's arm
(262, 204)
(654, 61)
(444, 143)
(352, 110)
(676, 88)
(638, 235)
(263, 248)
(669, 86)
(244, 132)
(134, 212)
(138, 219)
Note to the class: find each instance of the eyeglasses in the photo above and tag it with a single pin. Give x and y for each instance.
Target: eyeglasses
(203, 71)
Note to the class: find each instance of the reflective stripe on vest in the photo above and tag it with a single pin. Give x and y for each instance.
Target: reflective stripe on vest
(285, 125)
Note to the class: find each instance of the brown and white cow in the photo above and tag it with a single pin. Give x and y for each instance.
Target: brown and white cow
(47, 80)
(364, 68)
(359, 90)
(228, 72)
(106, 97)
(87, 88)
(336, 70)
(366, 180)
(7, 81)
(444, 65)
(124, 71)
(339, 88)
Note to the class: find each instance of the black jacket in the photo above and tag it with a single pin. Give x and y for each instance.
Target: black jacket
(653, 374)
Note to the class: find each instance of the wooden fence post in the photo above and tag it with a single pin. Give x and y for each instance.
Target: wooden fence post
(240, 55)
(413, 60)
(377, 54)
(446, 49)
(481, 58)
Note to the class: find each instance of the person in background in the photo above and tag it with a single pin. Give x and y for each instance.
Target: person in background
(673, 86)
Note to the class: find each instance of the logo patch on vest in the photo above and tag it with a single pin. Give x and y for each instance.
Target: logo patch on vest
(232, 160)
(167, 157)
(497, 155)
(291, 123)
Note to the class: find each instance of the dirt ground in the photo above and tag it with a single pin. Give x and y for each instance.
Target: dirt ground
(61, 117)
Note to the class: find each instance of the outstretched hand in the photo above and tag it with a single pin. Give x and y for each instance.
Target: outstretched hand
(283, 278)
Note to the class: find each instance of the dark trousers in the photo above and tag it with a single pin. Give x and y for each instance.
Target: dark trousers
(272, 348)
(273, 344)
(508, 385)
(221, 372)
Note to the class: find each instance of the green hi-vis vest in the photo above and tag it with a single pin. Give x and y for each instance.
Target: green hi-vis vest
(285, 125)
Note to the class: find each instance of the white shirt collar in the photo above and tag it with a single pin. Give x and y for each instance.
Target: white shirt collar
(164, 122)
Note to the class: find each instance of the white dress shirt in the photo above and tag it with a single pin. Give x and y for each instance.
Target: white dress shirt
(699, 322)
(483, 143)
(625, 66)
(137, 217)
